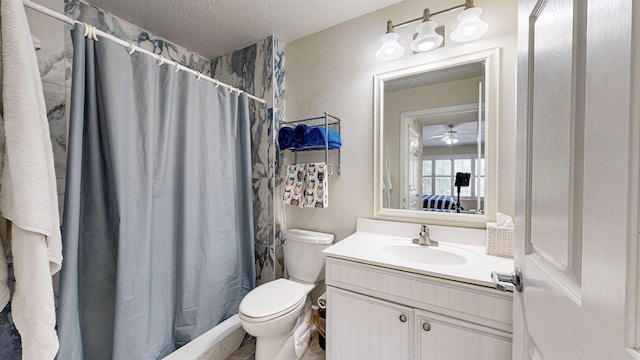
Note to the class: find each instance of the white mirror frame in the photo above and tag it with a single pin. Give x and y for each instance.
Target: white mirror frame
(491, 57)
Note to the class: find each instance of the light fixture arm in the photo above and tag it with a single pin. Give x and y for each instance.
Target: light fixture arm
(390, 26)
(465, 5)
(427, 15)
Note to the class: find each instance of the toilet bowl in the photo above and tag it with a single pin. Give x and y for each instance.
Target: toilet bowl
(275, 325)
(277, 313)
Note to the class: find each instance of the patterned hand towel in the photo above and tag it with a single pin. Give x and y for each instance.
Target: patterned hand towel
(297, 194)
(289, 182)
(322, 192)
(316, 195)
(310, 190)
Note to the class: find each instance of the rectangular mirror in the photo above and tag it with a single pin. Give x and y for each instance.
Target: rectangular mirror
(436, 141)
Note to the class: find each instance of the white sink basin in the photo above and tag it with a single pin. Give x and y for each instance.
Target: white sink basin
(430, 255)
(461, 255)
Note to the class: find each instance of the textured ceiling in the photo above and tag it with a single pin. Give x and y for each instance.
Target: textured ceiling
(217, 27)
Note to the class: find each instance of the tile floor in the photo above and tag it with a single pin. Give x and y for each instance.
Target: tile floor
(247, 351)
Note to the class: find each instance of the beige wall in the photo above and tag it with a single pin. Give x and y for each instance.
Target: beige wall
(333, 71)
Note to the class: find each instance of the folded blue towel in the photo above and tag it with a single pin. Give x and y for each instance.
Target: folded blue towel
(285, 137)
(300, 136)
(318, 137)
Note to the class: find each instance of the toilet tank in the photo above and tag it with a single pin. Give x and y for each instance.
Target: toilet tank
(303, 254)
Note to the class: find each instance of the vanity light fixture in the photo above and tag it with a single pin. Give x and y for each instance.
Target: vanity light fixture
(470, 27)
(426, 39)
(429, 35)
(391, 48)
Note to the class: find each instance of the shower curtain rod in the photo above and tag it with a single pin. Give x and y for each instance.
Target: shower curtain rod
(132, 48)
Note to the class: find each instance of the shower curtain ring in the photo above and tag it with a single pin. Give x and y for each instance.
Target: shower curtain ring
(177, 67)
(216, 83)
(160, 60)
(198, 75)
(132, 48)
(90, 31)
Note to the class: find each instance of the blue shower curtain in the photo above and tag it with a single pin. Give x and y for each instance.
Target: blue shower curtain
(158, 213)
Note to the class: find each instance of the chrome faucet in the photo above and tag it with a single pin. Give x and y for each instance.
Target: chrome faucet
(424, 238)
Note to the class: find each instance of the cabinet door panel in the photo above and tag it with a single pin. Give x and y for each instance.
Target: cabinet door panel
(448, 338)
(360, 327)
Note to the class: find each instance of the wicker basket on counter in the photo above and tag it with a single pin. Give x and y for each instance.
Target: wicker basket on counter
(499, 240)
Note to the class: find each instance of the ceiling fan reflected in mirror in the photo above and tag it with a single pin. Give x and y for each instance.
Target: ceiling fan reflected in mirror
(449, 137)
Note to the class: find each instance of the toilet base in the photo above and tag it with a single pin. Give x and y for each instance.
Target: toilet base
(290, 346)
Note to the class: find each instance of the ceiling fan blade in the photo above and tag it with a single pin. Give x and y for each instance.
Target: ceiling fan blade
(435, 137)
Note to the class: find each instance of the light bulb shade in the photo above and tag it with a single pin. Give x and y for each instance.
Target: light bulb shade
(427, 38)
(470, 27)
(391, 48)
(451, 140)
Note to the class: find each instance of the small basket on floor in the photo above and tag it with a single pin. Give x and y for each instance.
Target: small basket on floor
(319, 321)
(499, 240)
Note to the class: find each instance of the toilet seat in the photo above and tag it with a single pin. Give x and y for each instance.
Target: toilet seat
(272, 300)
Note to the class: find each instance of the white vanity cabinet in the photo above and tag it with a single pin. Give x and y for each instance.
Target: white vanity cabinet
(442, 337)
(363, 327)
(375, 312)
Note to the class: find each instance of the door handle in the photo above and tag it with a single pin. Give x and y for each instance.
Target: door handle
(514, 278)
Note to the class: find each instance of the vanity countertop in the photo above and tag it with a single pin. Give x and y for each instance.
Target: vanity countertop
(455, 261)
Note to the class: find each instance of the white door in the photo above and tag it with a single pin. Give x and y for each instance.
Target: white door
(577, 197)
(410, 166)
(415, 174)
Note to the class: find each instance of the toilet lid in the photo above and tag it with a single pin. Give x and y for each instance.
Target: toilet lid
(272, 299)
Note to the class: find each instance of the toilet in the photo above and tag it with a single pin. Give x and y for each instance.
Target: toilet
(277, 313)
